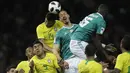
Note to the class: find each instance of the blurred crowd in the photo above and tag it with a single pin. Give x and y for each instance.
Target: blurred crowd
(19, 18)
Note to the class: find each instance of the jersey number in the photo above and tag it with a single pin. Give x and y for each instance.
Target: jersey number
(85, 21)
(46, 67)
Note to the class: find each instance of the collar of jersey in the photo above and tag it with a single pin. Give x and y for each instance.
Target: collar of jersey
(99, 14)
(88, 61)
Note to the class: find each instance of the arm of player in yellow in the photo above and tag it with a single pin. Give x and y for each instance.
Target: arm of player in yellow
(32, 66)
(119, 63)
(45, 46)
(56, 64)
(56, 51)
(80, 66)
(40, 36)
(118, 66)
(39, 32)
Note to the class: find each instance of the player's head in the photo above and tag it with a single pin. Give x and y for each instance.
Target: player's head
(50, 19)
(125, 43)
(90, 50)
(103, 9)
(38, 48)
(11, 69)
(29, 52)
(64, 17)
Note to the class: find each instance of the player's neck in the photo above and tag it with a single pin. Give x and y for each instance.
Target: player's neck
(123, 50)
(90, 58)
(101, 14)
(29, 59)
(41, 56)
(68, 24)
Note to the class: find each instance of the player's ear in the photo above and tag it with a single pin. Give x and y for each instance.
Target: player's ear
(26, 54)
(68, 15)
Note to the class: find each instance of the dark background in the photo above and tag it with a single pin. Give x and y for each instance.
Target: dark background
(19, 19)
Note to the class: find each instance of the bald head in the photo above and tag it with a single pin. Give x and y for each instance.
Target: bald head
(103, 9)
(29, 52)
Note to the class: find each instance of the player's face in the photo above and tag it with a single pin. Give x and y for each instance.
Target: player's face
(12, 70)
(29, 52)
(38, 49)
(64, 17)
(49, 23)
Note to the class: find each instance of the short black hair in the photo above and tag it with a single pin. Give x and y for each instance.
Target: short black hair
(37, 42)
(65, 10)
(103, 6)
(126, 42)
(90, 49)
(51, 16)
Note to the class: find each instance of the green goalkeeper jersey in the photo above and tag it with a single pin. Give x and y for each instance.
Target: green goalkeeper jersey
(62, 38)
(89, 26)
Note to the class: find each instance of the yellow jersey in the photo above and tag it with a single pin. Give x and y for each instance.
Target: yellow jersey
(123, 62)
(46, 65)
(89, 66)
(23, 65)
(48, 34)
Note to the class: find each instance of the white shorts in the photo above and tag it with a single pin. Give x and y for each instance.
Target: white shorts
(73, 65)
(78, 48)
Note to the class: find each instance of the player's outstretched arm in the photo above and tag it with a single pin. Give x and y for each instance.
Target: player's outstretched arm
(31, 65)
(98, 44)
(56, 50)
(45, 46)
(40, 36)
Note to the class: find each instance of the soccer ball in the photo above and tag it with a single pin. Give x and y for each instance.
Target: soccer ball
(54, 7)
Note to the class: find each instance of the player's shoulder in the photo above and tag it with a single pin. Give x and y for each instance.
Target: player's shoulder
(34, 57)
(42, 25)
(94, 15)
(49, 54)
(97, 63)
(75, 25)
(58, 22)
(123, 55)
(23, 62)
(82, 62)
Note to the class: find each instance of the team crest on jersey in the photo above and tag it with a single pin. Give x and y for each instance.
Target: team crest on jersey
(49, 61)
(102, 30)
(55, 28)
